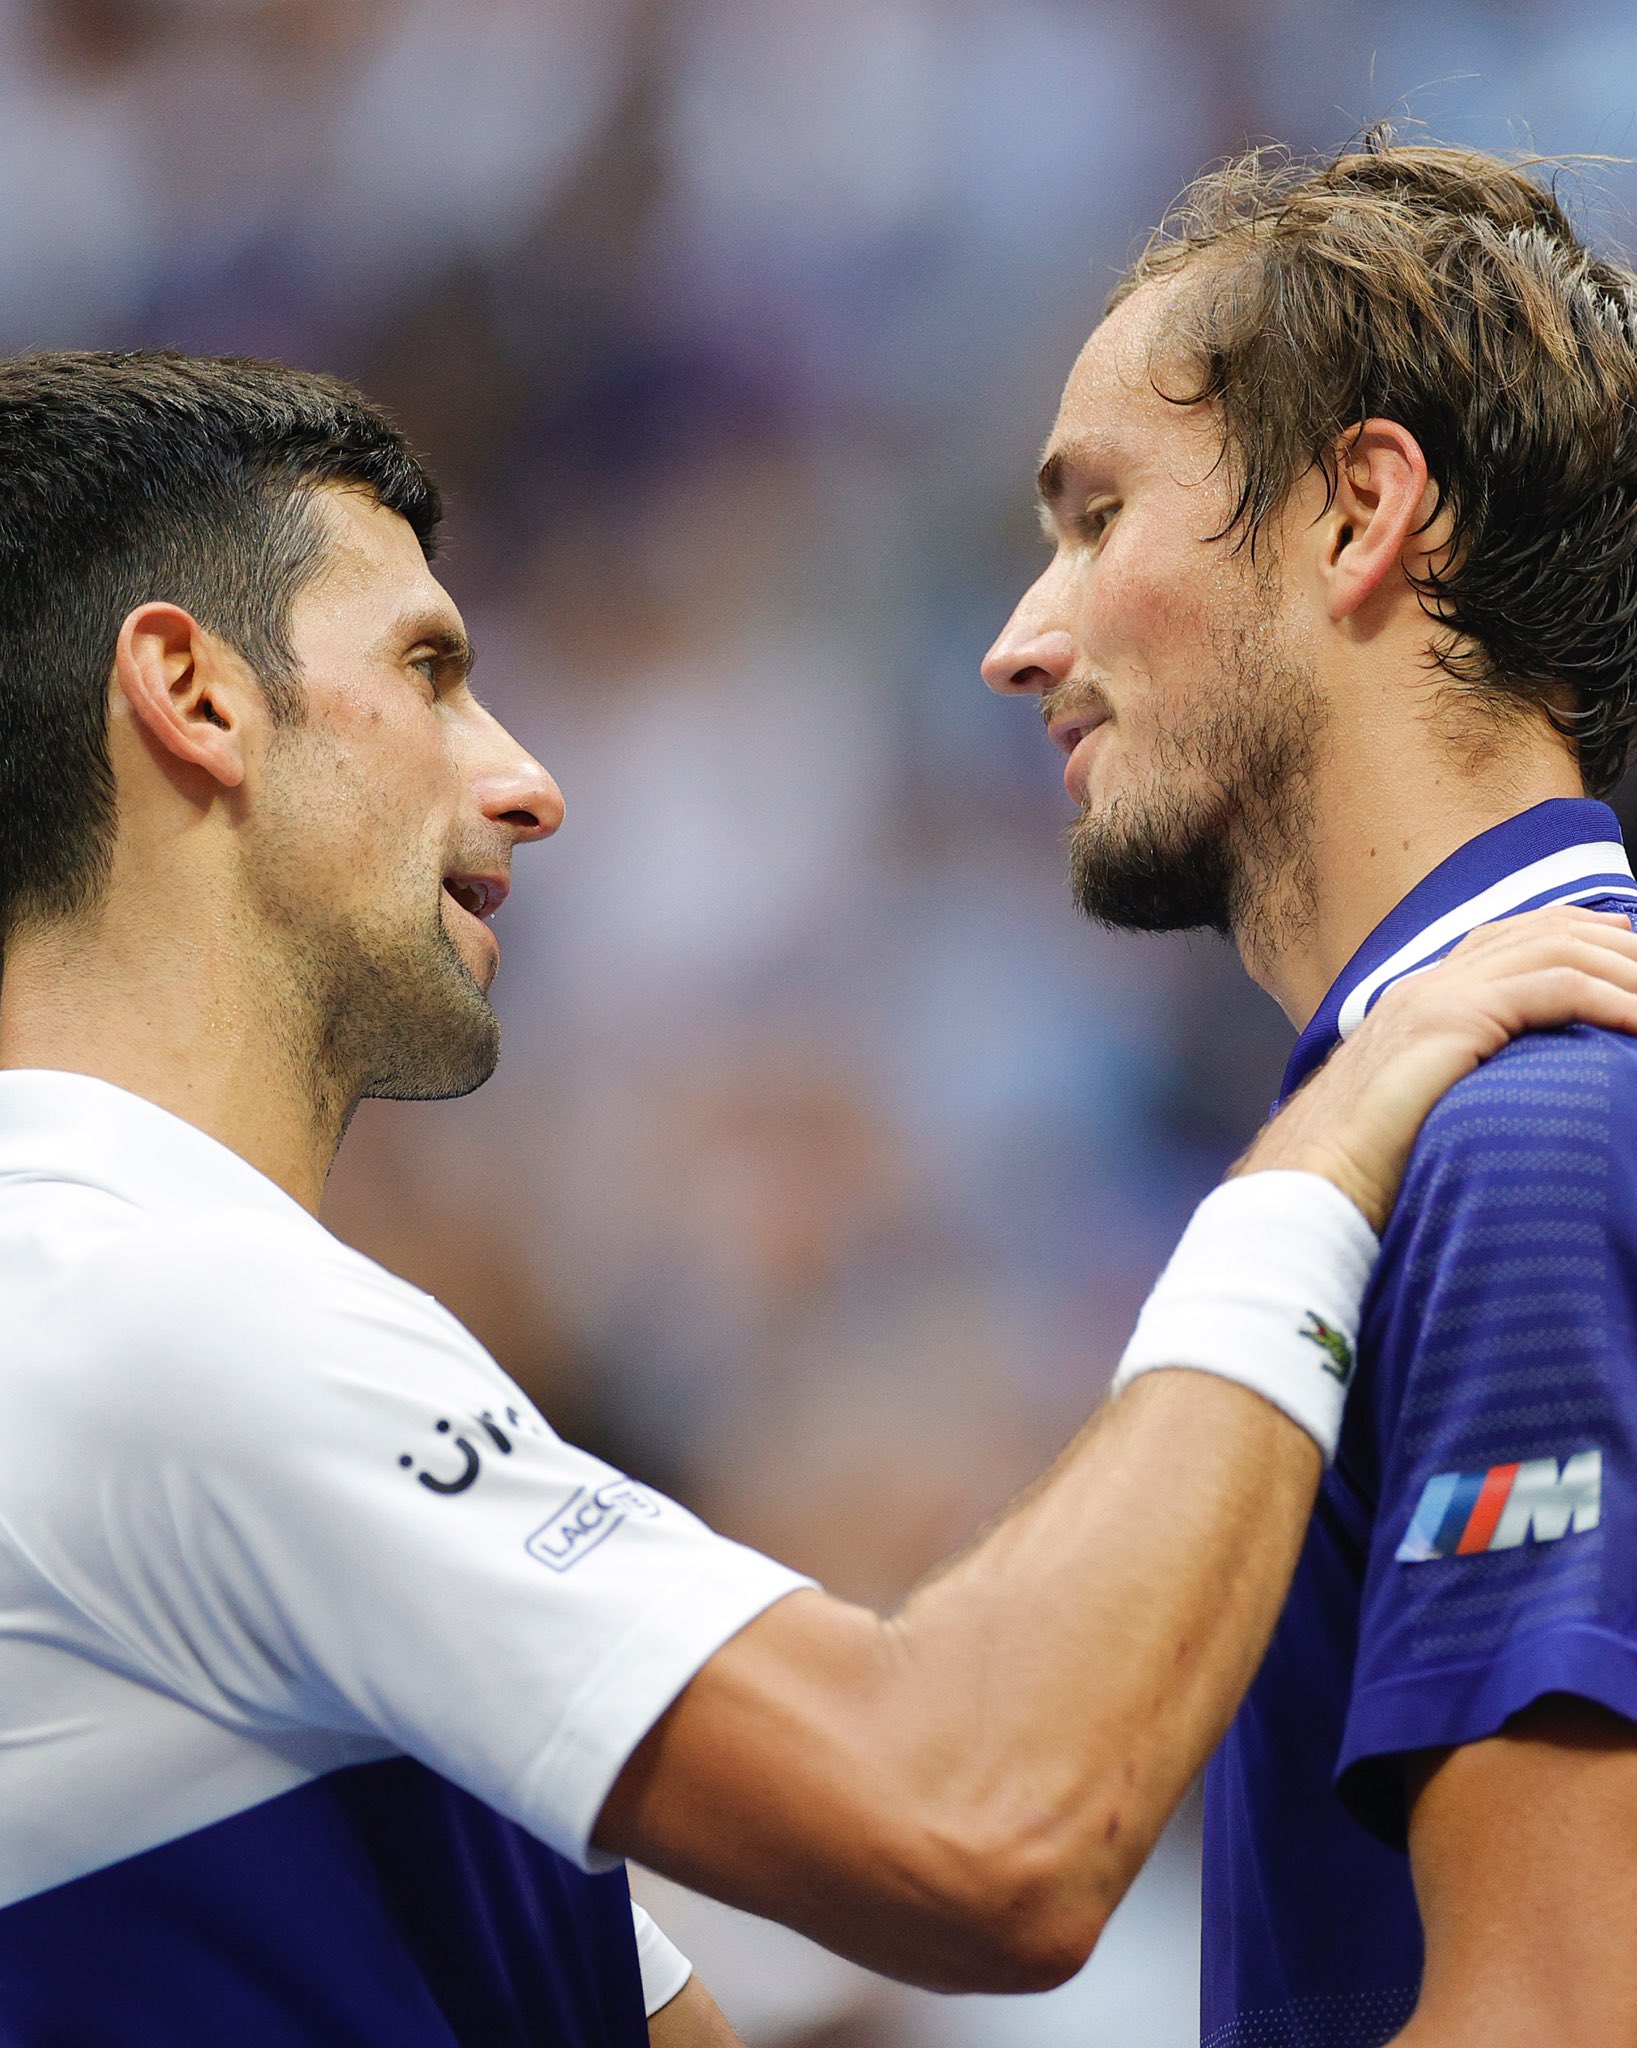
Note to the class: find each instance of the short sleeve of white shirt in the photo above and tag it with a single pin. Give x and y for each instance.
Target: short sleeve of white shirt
(665, 1969)
(306, 1497)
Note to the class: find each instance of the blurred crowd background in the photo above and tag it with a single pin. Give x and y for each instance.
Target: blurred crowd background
(831, 1154)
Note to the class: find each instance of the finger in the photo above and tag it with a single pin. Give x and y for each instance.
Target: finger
(1550, 997)
(1611, 939)
(1593, 1002)
(1617, 942)
(1580, 911)
(1591, 954)
(1555, 916)
(1472, 985)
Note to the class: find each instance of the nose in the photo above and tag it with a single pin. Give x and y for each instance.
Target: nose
(511, 787)
(1030, 657)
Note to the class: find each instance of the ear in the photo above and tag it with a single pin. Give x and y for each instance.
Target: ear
(186, 689)
(1381, 520)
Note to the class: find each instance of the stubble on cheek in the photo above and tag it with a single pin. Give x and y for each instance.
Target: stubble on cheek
(363, 978)
(1201, 816)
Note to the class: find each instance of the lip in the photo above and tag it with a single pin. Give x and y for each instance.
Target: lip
(1075, 735)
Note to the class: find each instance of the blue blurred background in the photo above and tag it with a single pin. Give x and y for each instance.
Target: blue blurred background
(831, 1155)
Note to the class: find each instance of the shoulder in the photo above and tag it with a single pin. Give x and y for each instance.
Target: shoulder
(242, 1318)
(1557, 1092)
(1544, 1134)
(1503, 1308)
(246, 1271)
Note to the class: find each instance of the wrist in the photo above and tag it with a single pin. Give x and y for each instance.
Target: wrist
(1309, 1134)
(1265, 1288)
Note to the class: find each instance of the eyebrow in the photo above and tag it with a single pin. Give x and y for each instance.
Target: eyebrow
(1071, 470)
(1051, 488)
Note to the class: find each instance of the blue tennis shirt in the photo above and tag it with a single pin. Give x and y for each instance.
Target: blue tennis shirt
(1471, 1547)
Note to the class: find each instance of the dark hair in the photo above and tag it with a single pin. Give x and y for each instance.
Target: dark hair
(135, 477)
(1445, 289)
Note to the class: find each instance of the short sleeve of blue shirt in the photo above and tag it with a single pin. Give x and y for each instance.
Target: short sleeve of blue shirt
(1503, 1425)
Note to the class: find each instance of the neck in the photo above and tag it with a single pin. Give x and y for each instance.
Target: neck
(1381, 818)
(186, 1025)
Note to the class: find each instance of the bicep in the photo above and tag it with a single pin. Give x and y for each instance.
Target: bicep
(692, 2019)
(1524, 1853)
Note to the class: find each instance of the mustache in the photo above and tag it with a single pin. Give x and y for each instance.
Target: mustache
(1082, 702)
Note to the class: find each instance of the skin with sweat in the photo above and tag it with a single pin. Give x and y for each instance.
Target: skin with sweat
(1169, 645)
(296, 918)
(1317, 765)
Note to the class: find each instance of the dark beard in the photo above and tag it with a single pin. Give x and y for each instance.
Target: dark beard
(1160, 867)
(1217, 840)
(365, 1005)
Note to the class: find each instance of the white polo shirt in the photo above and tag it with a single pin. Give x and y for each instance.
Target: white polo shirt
(319, 1650)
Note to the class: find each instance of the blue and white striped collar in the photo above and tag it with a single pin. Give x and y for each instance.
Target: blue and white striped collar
(1567, 850)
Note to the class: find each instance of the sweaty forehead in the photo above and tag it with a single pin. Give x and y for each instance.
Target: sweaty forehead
(371, 589)
(1109, 406)
(366, 547)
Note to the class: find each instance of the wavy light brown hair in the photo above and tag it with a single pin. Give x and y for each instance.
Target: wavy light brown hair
(1448, 290)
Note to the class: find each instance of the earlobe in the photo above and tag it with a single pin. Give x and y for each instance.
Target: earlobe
(178, 683)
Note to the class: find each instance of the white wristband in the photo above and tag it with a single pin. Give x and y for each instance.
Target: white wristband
(1265, 1288)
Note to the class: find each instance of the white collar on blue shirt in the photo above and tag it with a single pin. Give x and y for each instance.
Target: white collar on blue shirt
(1567, 850)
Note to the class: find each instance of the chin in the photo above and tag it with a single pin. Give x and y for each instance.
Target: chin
(420, 1025)
(1163, 867)
(438, 1066)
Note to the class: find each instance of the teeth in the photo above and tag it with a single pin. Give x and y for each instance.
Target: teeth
(467, 896)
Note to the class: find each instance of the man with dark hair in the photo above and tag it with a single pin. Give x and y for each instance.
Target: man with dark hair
(1339, 630)
(333, 1683)
(219, 522)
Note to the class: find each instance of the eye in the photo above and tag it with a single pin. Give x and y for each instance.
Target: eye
(1094, 522)
(430, 666)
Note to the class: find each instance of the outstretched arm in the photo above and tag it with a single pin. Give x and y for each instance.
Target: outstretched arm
(960, 1795)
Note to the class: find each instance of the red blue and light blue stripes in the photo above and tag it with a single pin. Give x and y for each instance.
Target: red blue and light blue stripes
(1463, 1513)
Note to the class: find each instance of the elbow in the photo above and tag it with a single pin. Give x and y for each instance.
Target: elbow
(1033, 1957)
(1040, 1931)
(1019, 1913)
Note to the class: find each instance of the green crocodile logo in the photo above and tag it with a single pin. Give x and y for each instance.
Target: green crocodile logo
(1338, 1353)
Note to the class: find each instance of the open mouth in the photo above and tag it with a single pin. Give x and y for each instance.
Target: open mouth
(478, 895)
(1067, 733)
(1070, 736)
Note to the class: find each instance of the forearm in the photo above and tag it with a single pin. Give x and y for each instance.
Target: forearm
(974, 1783)
(1081, 1664)
(960, 1795)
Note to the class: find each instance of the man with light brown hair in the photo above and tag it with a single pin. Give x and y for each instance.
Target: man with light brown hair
(1339, 635)
(334, 1684)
